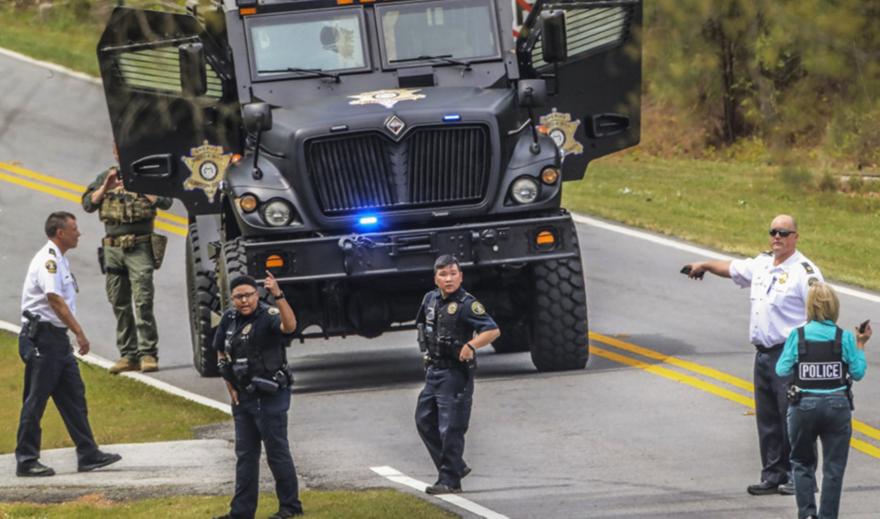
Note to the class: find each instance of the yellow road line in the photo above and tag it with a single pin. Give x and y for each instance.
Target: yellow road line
(76, 188)
(684, 364)
(65, 195)
(674, 375)
(857, 425)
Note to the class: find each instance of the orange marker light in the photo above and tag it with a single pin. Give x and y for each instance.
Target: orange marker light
(274, 262)
(247, 11)
(545, 238)
(344, 2)
(549, 176)
(248, 203)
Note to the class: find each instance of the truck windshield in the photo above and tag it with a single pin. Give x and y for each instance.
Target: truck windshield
(315, 41)
(463, 30)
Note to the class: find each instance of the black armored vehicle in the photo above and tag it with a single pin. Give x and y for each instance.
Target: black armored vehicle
(345, 144)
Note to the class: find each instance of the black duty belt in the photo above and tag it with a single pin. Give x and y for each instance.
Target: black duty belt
(769, 349)
(443, 363)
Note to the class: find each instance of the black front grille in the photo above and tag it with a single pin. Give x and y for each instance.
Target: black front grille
(430, 167)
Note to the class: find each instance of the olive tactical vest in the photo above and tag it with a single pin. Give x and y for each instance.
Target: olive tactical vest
(820, 364)
(122, 207)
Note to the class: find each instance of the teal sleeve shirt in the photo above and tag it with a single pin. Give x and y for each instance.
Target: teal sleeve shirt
(822, 331)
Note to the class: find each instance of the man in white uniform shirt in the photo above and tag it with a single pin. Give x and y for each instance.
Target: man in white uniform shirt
(48, 305)
(779, 281)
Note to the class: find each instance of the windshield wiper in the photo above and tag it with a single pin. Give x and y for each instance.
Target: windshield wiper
(315, 71)
(443, 57)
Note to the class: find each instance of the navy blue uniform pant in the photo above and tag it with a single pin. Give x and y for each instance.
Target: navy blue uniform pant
(828, 418)
(771, 406)
(51, 371)
(442, 416)
(263, 420)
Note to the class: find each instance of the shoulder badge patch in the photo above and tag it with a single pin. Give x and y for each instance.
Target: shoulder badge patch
(207, 165)
(387, 98)
(274, 311)
(477, 308)
(51, 266)
(452, 308)
(808, 267)
(561, 129)
(247, 329)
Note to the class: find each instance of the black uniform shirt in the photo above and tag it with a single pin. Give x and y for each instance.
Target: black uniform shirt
(473, 313)
(261, 329)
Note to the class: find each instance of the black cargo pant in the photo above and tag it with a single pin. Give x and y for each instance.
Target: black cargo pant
(442, 416)
(51, 371)
(263, 420)
(771, 406)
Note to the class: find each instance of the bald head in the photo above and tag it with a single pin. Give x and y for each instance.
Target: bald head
(784, 221)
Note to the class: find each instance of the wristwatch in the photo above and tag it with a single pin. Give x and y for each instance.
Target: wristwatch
(469, 345)
(280, 296)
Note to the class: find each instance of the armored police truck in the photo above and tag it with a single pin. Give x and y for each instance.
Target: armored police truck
(344, 144)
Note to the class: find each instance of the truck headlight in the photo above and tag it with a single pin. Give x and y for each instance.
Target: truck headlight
(277, 213)
(524, 190)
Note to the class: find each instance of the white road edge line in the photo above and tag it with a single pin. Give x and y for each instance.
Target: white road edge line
(99, 361)
(586, 220)
(396, 476)
(51, 66)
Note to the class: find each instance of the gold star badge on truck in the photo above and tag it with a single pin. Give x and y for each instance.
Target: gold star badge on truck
(561, 129)
(387, 98)
(207, 165)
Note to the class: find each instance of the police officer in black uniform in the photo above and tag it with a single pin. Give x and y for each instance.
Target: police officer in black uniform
(447, 321)
(250, 341)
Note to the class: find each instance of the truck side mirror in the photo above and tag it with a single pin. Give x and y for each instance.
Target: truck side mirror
(554, 46)
(531, 93)
(257, 117)
(193, 78)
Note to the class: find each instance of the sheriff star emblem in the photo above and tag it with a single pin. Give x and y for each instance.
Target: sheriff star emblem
(208, 165)
(387, 98)
(561, 129)
(783, 278)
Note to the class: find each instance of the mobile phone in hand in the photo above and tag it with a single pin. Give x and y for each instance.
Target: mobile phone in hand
(864, 326)
(686, 270)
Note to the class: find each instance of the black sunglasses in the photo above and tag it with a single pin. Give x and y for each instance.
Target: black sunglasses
(782, 233)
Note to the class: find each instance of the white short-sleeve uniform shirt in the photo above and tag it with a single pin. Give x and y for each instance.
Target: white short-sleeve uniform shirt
(778, 294)
(48, 273)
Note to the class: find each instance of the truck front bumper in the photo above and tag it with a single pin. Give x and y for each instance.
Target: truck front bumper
(482, 244)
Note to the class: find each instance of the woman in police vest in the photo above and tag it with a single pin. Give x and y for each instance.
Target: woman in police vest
(821, 356)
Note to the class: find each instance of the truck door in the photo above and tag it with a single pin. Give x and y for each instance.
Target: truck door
(176, 128)
(595, 110)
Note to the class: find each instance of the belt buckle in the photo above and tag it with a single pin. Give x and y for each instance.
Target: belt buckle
(126, 241)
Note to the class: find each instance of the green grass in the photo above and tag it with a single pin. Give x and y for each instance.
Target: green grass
(120, 410)
(338, 504)
(729, 206)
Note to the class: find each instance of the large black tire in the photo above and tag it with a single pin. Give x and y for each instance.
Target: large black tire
(559, 316)
(231, 264)
(203, 300)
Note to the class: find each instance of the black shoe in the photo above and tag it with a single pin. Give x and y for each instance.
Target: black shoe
(33, 469)
(101, 459)
(440, 488)
(465, 472)
(764, 488)
(786, 489)
(224, 516)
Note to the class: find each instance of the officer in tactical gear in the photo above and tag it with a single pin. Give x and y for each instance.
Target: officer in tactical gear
(129, 253)
(250, 342)
(823, 358)
(452, 326)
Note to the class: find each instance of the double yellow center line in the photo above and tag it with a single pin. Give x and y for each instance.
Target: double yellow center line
(73, 192)
(685, 372)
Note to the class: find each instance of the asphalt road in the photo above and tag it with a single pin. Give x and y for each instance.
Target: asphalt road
(639, 433)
